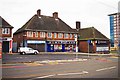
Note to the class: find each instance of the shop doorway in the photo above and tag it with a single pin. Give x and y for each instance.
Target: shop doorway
(5, 46)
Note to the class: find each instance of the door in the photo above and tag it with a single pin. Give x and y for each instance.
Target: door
(5, 46)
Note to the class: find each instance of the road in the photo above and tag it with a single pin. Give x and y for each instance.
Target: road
(10, 58)
(31, 58)
(105, 67)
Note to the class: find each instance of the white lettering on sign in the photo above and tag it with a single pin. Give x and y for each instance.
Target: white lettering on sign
(36, 42)
(102, 49)
(102, 42)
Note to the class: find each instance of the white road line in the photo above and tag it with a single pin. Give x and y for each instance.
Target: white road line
(46, 76)
(106, 68)
(41, 77)
(83, 72)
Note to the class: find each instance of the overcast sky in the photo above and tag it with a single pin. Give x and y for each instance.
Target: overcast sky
(89, 12)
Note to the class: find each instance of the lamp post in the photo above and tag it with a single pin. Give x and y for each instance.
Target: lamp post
(119, 45)
(88, 47)
(76, 47)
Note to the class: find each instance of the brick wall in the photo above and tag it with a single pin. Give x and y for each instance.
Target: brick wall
(83, 46)
(18, 38)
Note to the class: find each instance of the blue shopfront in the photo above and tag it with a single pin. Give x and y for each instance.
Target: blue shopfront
(60, 46)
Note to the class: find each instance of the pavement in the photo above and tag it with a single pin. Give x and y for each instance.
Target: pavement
(80, 53)
(59, 61)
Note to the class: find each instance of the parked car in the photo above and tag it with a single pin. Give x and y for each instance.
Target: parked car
(27, 50)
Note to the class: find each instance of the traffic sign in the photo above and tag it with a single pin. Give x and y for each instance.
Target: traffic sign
(89, 41)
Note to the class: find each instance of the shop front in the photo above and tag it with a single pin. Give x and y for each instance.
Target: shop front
(102, 46)
(60, 46)
(7, 45)
(36, 44)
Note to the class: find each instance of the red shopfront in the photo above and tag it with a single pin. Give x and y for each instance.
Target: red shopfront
(7, 45)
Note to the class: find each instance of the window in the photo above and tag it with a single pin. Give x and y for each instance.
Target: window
(66, 36)
(49, 35)
(60, 35)
(70, 36)
(36, 34)
(5, 31)
(30, 34)
(55, 35)
(75, 35)
(42, 34)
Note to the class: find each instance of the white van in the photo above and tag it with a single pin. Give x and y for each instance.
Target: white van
(27, 50)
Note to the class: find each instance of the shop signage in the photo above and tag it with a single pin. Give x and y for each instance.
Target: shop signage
(35, 42)
(102, 42)
(5, 39)
(89, 41)
(60, 42)
(102, 49)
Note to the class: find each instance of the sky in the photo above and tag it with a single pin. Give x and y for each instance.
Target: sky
(91, 13)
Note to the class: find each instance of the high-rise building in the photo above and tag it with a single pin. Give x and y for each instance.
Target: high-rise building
(115, 29)
(119, 6)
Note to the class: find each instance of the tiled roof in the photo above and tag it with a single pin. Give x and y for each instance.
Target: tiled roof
(46, 23)
(4, 24)
(90, 34)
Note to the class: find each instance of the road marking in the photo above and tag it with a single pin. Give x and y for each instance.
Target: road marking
(42, 77)
(83, 72)
(46, 76)
(13, 66)
(106, 68)
(33, 64)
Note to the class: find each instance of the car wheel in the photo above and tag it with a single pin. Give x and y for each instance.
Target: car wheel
(23, 53)
(35, 52)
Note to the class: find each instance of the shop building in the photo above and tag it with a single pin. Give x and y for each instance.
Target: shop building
(6, 29)
(93, 41)
(46, 33)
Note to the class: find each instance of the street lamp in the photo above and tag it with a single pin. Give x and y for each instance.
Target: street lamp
(76, 46)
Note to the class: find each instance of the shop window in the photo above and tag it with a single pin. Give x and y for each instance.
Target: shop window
(75, 35)
(66, 36)
(55, 35)
(49, 35)
(71, 36)
(42, 34)
(60, 35)
(30, 34)
(36, 34)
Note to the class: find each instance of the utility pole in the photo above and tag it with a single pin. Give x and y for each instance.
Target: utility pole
(88, 47)
(76, 47)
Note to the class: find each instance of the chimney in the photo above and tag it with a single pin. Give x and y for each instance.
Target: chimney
(38, 12)
(78, 25)
(55, 15)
